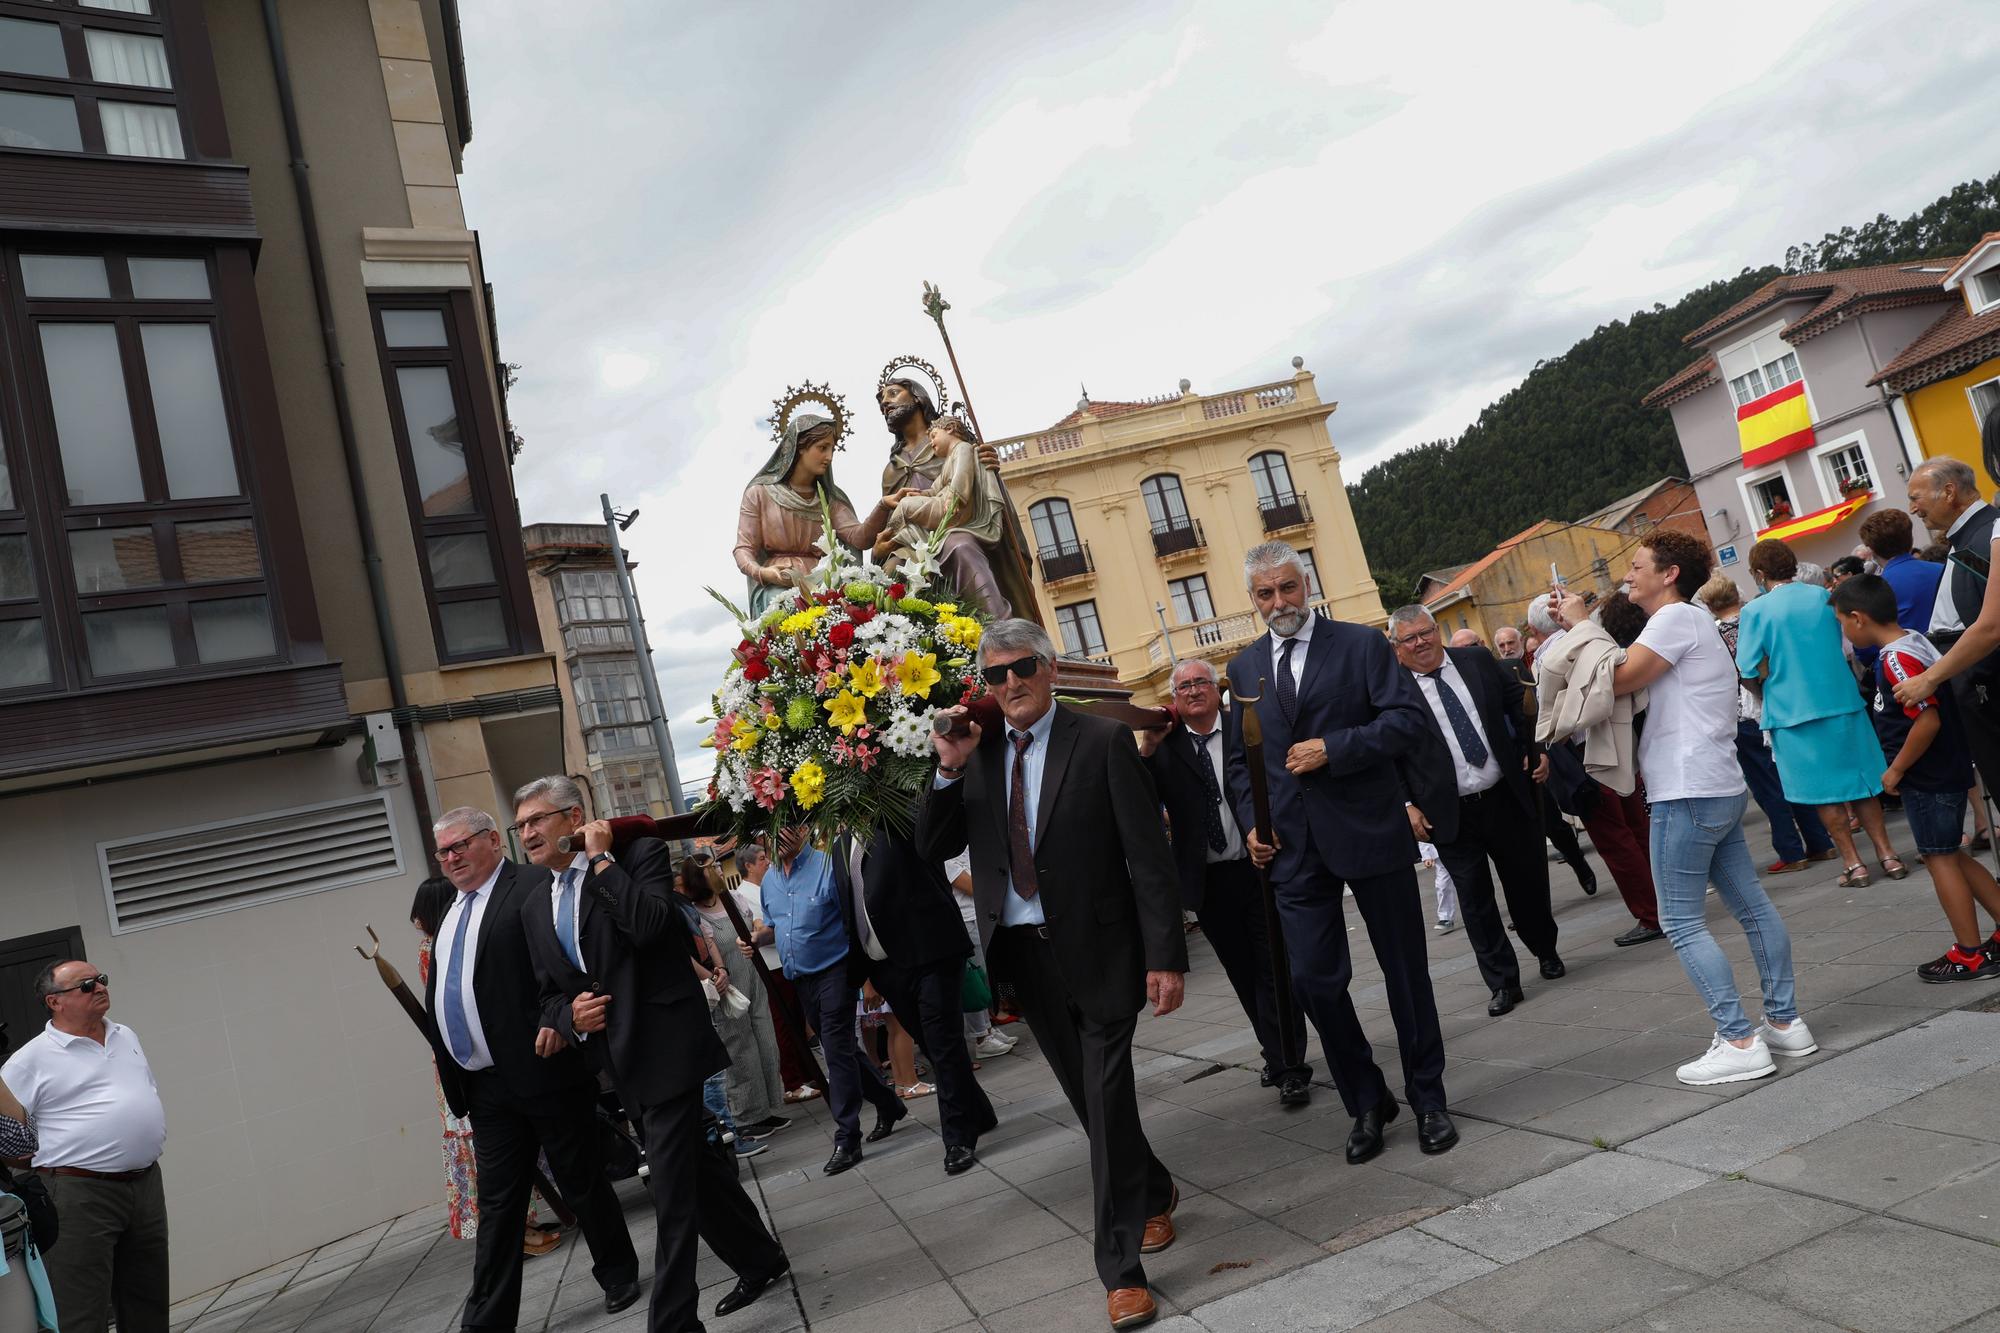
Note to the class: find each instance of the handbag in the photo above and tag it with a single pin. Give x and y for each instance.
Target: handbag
(974, 994)
(733, 1003)
(34, 1195)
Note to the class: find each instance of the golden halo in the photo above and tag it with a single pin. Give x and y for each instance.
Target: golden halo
(940, 396)
(783, 409)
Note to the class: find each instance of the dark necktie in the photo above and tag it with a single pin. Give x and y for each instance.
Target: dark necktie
(1288, 690)
(1469, 743)
(1217, 839)
(1020, 851)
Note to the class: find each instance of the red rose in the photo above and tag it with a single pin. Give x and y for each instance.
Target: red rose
(756, 669)
(860, 615)
(895, 591)
(841, 635)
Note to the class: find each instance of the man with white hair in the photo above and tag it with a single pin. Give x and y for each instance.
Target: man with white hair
(1507, 643)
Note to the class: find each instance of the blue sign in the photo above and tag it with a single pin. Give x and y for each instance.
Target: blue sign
(1726, 555)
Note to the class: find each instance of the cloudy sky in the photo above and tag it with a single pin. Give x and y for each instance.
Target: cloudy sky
(686, 207)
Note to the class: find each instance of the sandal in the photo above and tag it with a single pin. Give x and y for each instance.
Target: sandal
(915, 1090)
(1855, 877)
(1893, 867)
(806, 1094)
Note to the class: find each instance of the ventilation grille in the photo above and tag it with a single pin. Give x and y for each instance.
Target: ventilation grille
(197, 872)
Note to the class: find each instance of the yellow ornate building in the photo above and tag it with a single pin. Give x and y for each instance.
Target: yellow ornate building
(1140, 514)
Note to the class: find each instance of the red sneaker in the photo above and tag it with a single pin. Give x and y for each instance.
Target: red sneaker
(1784, 867)
(1960, 965)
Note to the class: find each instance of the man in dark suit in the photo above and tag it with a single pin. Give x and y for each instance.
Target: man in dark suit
(614, 951)
(1218, 883)
(1078, 907)
(1480, 803)
(1336, 713)
(906, 939)
(518, 1079)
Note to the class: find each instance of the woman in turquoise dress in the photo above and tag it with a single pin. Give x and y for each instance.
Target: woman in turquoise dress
(1789, 647)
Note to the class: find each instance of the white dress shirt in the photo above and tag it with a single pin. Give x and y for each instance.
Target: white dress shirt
(581, 865)
(871, 943)
(1946, 618)
(93, 1107)
(441, 956)
(1304, 639)
(1211, 752)
(1016, 910)
(750, 898)
(1470, 780)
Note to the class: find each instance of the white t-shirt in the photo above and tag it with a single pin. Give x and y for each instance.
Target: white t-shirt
(1688, 745)
(94, 1107)
(960, 865)
(750, 901)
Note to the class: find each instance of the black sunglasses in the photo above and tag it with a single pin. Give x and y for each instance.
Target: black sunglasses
(88, 985)
(1024, 667)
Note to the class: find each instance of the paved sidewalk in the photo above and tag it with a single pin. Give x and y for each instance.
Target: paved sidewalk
(1858, 1189)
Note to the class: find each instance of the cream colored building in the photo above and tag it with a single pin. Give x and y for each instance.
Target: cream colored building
(1141, 512)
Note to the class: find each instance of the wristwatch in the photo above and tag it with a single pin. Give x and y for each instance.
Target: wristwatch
(602, 856)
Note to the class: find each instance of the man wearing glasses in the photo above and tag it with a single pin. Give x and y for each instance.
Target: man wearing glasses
(1079, 907)
(1218, 883)
(520, 1082)
(91, 1099)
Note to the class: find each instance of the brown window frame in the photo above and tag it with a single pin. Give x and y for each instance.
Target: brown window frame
(85, 91)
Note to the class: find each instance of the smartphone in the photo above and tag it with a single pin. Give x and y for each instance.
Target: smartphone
(1555, 575)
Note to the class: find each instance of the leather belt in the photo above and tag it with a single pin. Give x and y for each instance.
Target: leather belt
(120, 1177)
(1039, 932)
(1944, 639)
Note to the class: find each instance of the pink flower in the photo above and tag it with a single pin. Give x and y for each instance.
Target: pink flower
(767, 787)
(866, 755)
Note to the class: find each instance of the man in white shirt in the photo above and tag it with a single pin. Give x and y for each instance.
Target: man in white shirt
(1944, 493)
(91, 1098)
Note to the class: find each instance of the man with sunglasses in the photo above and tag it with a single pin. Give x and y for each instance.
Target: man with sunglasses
(1079, 907)
(522, 1084)
(96, 1110)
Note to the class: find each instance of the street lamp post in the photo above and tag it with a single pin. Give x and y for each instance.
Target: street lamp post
(1167, 633)
(656, 715)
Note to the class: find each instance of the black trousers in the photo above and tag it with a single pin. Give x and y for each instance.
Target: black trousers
(1315, 925)
(850, 1076)
(1558, 831)
(1982, 729)
(925, 1000)
(505, 1139)
(1232, 917)
(1093, 1064)
(1492, 827)
(696, 1192)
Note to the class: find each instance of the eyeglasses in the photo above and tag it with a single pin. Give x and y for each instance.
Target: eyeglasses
(520, 826)
(89, 985)
(1194, 686)
(1412, 640)
(1024, 667)
(455, 849)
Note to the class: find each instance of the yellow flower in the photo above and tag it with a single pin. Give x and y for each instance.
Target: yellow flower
(947, 609)
(867, 677)
(960, 631)
(800, 621)
(917, 673)
(744, 735)
(809, 783)
(846, 711)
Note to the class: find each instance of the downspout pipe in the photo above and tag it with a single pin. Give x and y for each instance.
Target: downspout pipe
(343, 414)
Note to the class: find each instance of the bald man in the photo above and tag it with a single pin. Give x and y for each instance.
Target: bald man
(1467, 638)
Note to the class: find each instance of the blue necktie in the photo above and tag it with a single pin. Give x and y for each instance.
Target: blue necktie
(566, 918)
(1461, 721)
(458, 1032)
(1288, 690)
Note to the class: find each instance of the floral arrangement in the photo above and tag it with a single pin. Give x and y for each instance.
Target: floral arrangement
(823, 718)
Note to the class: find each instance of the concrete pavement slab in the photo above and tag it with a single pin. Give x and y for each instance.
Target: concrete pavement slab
(1581, 1286)
(1938, 1281)
(1347, 1289)
(1567, 1202)
(1723, 1226)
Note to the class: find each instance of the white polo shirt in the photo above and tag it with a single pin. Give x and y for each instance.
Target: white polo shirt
(94, 1107)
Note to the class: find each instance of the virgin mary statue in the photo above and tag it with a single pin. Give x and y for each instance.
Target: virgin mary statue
(780, 518)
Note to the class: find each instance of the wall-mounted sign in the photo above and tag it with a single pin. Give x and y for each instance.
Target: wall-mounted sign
(1726, 555)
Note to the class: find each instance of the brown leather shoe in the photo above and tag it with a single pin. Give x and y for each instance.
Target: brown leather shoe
(1130, 1306)
(1159, 1231)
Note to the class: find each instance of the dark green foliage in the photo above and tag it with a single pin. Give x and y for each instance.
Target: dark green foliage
(1572, 436)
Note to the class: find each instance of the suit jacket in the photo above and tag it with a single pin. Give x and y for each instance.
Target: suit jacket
(1968, 590)
(1107, 882)
(1428, 775)
(911, 906)
(636, 944)
(510, 1011)
(1176, 769)
(1355, 697)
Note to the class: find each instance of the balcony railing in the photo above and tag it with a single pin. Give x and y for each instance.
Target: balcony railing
(1206, 638)
(1159, 416)
(1069, 560)
(1173, 535)
(1285, 511)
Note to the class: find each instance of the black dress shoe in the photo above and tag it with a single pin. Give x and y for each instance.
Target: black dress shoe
(1295, 1090)
(1552, 967)
(885, 1124)
(1640, 934)
(1587, 880)
(843, 1159)
(1435, 1132)
(1504, 1001)
(958, 1159)
(1267, 1079)
(1366, 1140)
(618, 1298)
(746, 1290)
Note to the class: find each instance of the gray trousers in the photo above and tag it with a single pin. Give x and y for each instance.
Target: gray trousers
(111, 1255)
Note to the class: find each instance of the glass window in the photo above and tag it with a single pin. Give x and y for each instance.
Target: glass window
(1850, 469)
(133, 638)
(6, 478)
(130, 58)
(1191, 602)
(17, 578)
(65, 277)
(141, 129)
(430, 418)
(413, 328)
(37, 120)
(27, 47)
(114, 559)
(24, 654)
(1055, 527)
(473, 627)
(122, 6)
(1312, 575)
(187, 407)
(1081, 634)
(221, 549)
(1783, 371)
(169, 279)
(1165, 505)
(1985, 402)
(93, 423)
(460, 560)
(1273, 479)
(232, 629)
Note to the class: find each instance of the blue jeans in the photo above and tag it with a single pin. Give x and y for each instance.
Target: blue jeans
(1788, 820)
(1697, 841)
(715, 1096)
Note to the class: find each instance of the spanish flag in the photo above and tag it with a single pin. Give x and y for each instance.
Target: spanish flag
(1818, 521)
(1777, 424)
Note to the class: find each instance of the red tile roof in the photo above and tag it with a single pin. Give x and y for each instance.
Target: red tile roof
(1959, 341)
(1687, 382)
(1485, 562)
(1836, 290)
(1105, 411)
(1957, 274)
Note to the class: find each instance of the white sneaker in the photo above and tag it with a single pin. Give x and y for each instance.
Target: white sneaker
(1794, 1040)
(1445, 925)
(1727, 1063)
(992, 1045)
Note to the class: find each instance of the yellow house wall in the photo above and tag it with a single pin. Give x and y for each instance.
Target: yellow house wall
(1943, 417)
(1502, 591)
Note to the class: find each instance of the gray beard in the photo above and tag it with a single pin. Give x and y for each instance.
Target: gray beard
(1287, 622)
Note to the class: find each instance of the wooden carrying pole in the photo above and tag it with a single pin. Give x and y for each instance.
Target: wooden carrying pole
(1290, 1039)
